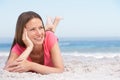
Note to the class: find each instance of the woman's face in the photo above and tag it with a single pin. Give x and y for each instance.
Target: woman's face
(35, 31)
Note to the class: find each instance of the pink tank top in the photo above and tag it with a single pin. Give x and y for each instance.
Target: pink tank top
(49, 42)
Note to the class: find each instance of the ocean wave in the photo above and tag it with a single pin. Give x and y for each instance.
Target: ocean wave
(96, 55)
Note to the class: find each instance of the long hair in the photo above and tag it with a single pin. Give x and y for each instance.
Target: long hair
(21, 23)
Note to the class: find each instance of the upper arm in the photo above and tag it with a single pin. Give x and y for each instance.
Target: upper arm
(56, 56)
(52, 44)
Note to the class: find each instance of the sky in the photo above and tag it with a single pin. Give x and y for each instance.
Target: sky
(81, 18)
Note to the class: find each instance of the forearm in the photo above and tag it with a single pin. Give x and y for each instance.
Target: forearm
(14, 56)
(26, 53)
(45, 69)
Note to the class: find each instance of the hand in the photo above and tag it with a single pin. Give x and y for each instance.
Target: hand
(19, 66)
(26, 39)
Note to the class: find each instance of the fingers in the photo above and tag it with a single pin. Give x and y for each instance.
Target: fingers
(26, 39)
(15, 63)
(24, 34)
(6, 66)
(16, 66)
(13, 69)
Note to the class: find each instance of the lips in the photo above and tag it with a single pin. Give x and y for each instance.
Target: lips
(38, 39)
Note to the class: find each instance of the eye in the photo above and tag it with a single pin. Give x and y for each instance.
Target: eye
(32, 29)
(40, 27)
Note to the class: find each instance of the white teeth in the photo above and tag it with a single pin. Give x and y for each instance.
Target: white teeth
(39, 38)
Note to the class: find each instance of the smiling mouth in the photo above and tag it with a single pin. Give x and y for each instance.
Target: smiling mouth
(38, 39)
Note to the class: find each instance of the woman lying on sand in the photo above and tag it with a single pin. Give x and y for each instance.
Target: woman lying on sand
(34, 48)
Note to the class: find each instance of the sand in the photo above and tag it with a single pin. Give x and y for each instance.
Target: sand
(76, 68)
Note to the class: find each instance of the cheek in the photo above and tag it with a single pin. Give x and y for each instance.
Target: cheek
(43, 32)
(29, 35)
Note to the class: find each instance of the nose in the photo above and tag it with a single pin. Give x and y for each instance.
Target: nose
(38, 31)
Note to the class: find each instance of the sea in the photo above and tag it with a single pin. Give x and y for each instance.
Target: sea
(78, 45)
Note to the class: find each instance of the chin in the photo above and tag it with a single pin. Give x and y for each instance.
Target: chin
(38, 42)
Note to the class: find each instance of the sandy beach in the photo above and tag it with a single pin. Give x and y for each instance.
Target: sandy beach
(76, 68)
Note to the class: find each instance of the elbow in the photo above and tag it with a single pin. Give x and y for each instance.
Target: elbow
(62, 69)
(58, 70)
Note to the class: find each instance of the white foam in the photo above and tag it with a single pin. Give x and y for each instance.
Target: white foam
(96, 55)
(4, 53)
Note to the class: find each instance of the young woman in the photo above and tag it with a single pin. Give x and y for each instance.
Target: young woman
(34, 48)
